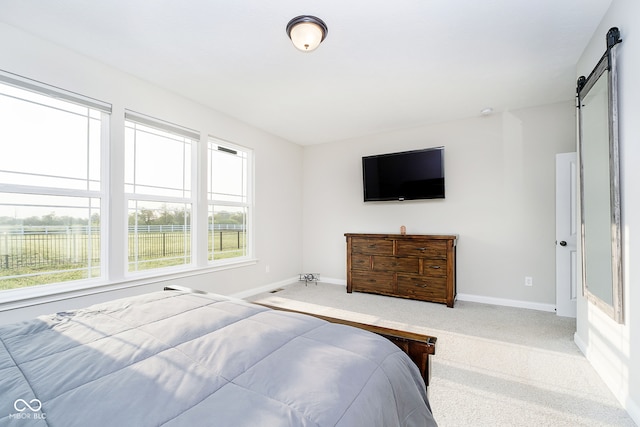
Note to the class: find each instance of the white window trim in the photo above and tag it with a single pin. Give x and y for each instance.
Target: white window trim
(183, 132)
(53, 91)
(114, 209)
(13, 299)
(250, 204)
(23, 83)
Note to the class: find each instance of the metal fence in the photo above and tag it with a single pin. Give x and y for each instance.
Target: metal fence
(42, 246)
(37, 247)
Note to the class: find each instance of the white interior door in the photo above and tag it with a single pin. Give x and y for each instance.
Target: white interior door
(566, 234)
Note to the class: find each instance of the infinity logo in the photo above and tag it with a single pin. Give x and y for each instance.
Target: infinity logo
(37, 405)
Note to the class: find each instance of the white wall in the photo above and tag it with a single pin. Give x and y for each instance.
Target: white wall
(500, 199)
(613, 349)
(278, 171)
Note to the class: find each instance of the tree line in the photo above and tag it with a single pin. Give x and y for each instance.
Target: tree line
(144, 216)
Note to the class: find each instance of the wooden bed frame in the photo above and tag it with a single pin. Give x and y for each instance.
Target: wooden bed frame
(416, 345)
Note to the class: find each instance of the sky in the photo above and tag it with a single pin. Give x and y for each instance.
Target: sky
(47, 142)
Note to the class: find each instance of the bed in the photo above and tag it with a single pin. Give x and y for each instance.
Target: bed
(176, 358)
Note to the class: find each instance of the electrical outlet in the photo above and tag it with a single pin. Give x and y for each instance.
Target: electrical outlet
(528, 281)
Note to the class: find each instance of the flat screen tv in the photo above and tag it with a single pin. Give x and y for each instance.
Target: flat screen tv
(408, 175)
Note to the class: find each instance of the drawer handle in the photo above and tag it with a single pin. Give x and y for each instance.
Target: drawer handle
(435, 266)
(421, 249)
(371, 246)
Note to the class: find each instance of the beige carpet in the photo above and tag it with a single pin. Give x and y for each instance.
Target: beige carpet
(494, 366)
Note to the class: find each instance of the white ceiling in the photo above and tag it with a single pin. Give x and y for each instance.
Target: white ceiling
(385, 65)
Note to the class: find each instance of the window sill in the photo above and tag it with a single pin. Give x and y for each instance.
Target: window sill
(24, 297)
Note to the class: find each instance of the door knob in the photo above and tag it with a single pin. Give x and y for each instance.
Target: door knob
(563, 243)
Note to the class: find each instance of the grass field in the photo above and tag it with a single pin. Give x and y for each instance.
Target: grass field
(38, 259)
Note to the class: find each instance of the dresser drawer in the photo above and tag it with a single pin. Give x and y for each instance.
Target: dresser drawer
(361, 262)
(434, 267)
(424, 288)
(395, 264)
(422, 248)
(373, 282)
(372, 246)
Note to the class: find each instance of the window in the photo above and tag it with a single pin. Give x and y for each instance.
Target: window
(230, 201)
(51, 191)
(158, 189)
(55, 195)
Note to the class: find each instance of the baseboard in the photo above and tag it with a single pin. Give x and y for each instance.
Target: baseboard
(632, 408)
(266, 288)
(271, 286)
(333, 281)
(461, 297)
(507, 302)
(580, 343)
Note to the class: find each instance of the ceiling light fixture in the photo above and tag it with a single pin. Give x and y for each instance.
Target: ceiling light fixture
(306, 32)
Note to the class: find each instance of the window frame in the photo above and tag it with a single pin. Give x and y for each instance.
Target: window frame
(114, 210)
(182, 132)
(105, 111)
(249, 204)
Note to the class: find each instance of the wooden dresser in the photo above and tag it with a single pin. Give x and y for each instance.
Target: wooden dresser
(421, 267)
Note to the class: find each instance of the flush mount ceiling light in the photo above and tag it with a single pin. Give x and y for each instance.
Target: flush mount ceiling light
(306, 32)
